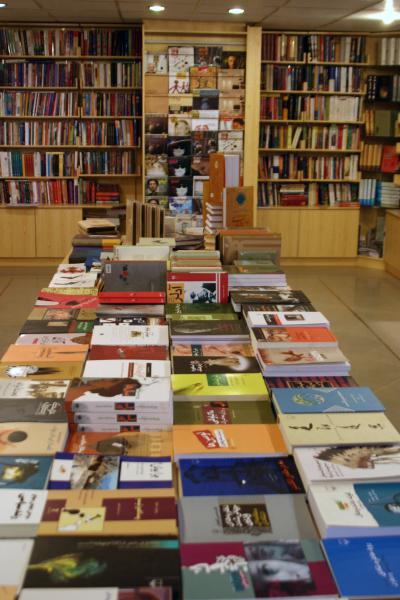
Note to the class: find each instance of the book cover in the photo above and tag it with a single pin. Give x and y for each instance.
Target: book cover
(49, 327)
(127, 368)
(33, 410)
(214, 364)
(81, 471)
(130, 335)
(151, 444)
(217, 349)
(109, 512)
(238, 203)
(300, 356)
(16, 555)
(128, 353)
(377, 558)
(134, 276)
(270, 297)
(96, 593)
(197, 288)
(24, 472)
(223, 412)
(249, 386)
(227, 440)
(239, 476)
(26, 388)
(144, 472)
(307, 382)
(60, 301)
(31, 439)
(272, 319)
(322, 400)
(45, 353)
(198, 309)
(119, 395)
(42, 371)
(210, 329)
(298, 337)
(20, 512)
(67, 339)
(349, 428)
(244, 518)
(88, 562)
(61, 314)
(344, 463)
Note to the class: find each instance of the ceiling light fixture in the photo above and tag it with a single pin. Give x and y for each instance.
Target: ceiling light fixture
(389, 14)
(236, 11)
(157, 8)
(3, 4)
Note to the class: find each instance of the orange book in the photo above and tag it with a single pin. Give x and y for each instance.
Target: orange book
(239, 207)
(151, 444)
(285, 337)
(110, 512)
(21, 353)
(195, 441)
(40, 370)
(217, 177)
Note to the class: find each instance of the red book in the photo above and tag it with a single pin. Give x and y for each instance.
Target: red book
(54, 300)
(390, 160)
(128, 352)
(132, 297)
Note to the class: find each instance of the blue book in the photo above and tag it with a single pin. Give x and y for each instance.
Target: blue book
(365, 567)
(239, 476)
(24, 472)
(324, 400)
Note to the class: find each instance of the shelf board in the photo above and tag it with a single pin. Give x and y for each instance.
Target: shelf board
(283, 62)
(38, 57)
(38, 118)
(314, 62)
(109, 118)
(310, 93)
(110, 89)
(308, 151)
(20, 88)
(67, 147)
(116, 175)
(61, 177)
(289, 121)
(355, 205)
(66, 206)
(308, 180)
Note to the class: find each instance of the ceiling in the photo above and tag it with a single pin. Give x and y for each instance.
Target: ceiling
(339, 15)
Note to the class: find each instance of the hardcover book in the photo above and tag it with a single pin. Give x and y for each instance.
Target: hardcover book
(239, 476)
(323, 400)
(229, 386)
(108, 512)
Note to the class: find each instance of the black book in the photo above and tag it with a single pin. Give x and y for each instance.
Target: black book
(90, 562)
(32, 410)
(67, 326)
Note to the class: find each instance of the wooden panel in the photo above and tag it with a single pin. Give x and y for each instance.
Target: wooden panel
(252, 108)
(17, 227)
(55, 228)
(328, 233)
(285, 222)
(391, 248)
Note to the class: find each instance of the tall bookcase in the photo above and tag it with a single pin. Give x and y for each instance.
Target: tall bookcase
(71, 117)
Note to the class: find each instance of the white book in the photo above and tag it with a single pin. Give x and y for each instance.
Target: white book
(130, 335)
(127, 368)
(43, 339)
(71, 268)
(145, 472)
(113, 418)
(21, 512)
(70, 594)
(15, 558)
(286, 319)
(73, 280)
(29, 388)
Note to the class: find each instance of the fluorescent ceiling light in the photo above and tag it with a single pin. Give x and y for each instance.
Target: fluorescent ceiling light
(388, 15)
(157, 8)
(236, 11)
(3, 4)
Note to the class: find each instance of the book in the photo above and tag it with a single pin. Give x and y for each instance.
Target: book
(51, 327)
(127, 368)
(244, 518)
(143, 472)
(348, 463)
(128, 353)
(346, 509)
(217, 349)
(20, 512)
(24, 472)
(31, 439)
(109, 513)
(375, 557)
(290, 319)
(130, 335)
(42, 371)
(223, 412)
(96, 593)
(219, 310)
(278, 568)
(302, 361)
(268, 297)
(214, 364)
(93, 562)
(229, 386)
(67, 339)
(119, 395)
(192, 441)
(134, 280)
(33, 410)
(324, 400)
(13, 569)
(84, 471)
(151, 444)
(197, 288)
(239, 476)
(46, 353)
(337, 429)
(26, 388)
(217, 331)
(307, 382)
(293, 337)
(238, 207)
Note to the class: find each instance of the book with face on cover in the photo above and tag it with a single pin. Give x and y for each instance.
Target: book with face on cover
(193, 441)
(45, 353)
(337, 429)
(93, 561)
(197, 288)
(41, 371)
(246, 518)
(222, 412)
(228, 386)
(277, 568)
(119, 395)
(130, 335)
(151, 444)
(25, 439)
(127, 368)
(109, 512)
(348, 463)
(239, 476)
(20, 512)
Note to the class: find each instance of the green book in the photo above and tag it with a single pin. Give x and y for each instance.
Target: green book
(222, 412)
(199, 309)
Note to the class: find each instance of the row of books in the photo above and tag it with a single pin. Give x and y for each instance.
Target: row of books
(313, 47)
(383, 88)
(307, 194)
(181, 59)
(63, 41)
(379, 157)
(388, 51)
(311, 108)
(114, 104)
(329, 137)
(111, 74)
(121, 132)
(66, 164)
(312, 78)
(290, 166)
(373, 192)
(380, 123)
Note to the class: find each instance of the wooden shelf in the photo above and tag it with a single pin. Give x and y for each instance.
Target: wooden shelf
(110, 89)
(283, 62)
(317, 207)
(308, 180)
(116, 175)
(311, 93)
(37, 118)
(312, 63)
(67, 147)
(38, 57)
(20, 88)
(310, 123)
(60, 177)
(66, 206)
(109, 118)
(308, 151)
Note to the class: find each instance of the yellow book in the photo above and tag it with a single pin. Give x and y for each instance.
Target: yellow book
(246, 386)
(24, 353)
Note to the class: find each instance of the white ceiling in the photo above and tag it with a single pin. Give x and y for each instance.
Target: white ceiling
(340, 15)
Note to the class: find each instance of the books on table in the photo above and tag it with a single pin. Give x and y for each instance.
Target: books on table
(223, 412)
(127, 368)
(281, 362)
(324, 400)
(229, 386)
(286, 319)
(130, 335)
(209, 331)
(292, 337)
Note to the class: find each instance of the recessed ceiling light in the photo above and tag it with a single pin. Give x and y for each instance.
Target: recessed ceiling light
(389, 14)
(3, 4)
(236, 11)
(157, 8)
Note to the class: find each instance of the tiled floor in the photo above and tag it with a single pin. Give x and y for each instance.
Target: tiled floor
(362, 305)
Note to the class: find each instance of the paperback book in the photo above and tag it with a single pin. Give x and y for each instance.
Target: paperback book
(323, 400)
(223, 412)
(127, 368)
(229, 386)
(150, 444)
